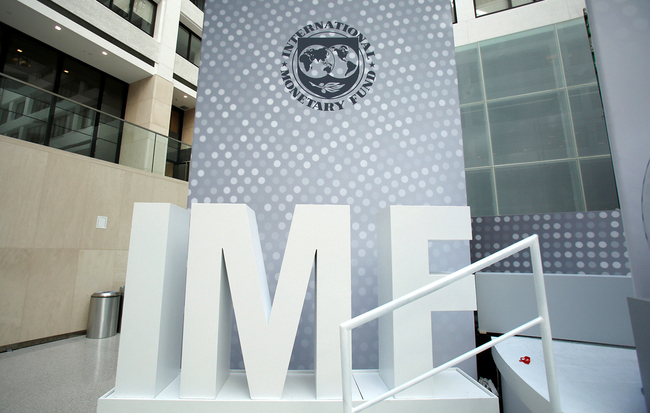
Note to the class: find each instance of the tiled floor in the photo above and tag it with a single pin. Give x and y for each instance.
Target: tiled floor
(66, 376)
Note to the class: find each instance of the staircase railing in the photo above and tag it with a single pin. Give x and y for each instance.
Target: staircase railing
(532, 243)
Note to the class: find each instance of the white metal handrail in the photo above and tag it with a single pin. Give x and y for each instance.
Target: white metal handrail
(532, 243)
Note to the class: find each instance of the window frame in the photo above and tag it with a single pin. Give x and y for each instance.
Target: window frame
(129, 18)
(192, 35)
(502, 10)
(200, 4)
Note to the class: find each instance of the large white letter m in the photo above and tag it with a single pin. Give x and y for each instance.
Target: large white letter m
(225, 270)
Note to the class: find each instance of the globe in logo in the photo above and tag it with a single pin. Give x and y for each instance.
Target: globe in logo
(339, 61)
(328, 64)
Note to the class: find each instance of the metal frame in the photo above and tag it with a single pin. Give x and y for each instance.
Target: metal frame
(531, 242)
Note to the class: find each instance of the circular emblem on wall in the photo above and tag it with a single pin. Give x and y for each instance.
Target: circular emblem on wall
(327, 66)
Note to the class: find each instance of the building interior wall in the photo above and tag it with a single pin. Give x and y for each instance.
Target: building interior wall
(55, 239)
(52, 256)
(619, 38)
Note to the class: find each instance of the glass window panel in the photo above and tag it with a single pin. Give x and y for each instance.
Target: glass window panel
(105, 150)
(454, 16)
(475, 135)
(589, 121)
(530, 128)
(470, 81)
(109, 128)
(144, 13)
(484, 7)
(195, 50)
(31, 62)
(19, 109)
(576, 53)
(114, 97)
(199, 3)
(521, 63)
(537, 188)
(80, 83)
(35, 132)
(599, 184)
(66, 137)
(480, 196)
(516, 3)
(40, 103)
(183, 41)
(121, 7)
(176, 123)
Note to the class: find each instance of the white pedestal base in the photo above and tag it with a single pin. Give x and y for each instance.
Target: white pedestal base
(454, 392)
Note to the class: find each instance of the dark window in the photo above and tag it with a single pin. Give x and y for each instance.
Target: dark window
(74, 125)
(176, 123)
(483, 7)
(188, 45)
(199, 3)
(141, 13)
(31, 62)
(114, 96)
(454, 17)
(80, 84)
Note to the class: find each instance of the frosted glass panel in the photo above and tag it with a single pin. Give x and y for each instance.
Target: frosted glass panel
(522, 63)
(480, 194)
(470, 82)
(576, 53)
(533, 142)
(588, 121)
(530, 128)
(475, 135)
(547, 187)
(599, 184)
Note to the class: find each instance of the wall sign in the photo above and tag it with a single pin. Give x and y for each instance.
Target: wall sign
(328, 66)
(401, 143)
(213, 255)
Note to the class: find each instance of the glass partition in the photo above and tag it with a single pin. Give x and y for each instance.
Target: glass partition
(24, 111)
(35, 115)
(534, 133)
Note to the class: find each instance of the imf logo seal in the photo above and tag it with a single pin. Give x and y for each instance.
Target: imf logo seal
(328, 64)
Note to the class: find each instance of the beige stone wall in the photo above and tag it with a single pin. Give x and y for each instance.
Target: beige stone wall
(149, 104)
(52, 256)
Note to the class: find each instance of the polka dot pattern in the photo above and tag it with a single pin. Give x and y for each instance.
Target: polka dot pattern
(570, 243)
(401, 144)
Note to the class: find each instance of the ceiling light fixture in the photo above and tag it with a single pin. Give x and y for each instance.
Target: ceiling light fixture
(57, 27)
(104, 52)
(19, 51)
(185, 96)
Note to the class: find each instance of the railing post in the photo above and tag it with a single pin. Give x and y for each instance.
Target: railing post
(545, 326)
(346, 368)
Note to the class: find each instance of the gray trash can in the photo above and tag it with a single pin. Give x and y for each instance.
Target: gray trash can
(103, 314)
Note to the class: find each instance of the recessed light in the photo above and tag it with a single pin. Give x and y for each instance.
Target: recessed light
(185, 96)
(104, 53)
(65, 71)
(57, 27)
(19, 51)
